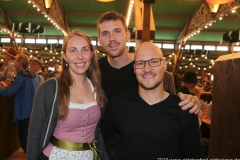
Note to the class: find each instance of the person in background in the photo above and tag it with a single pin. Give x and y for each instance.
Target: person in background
(177, 76)
(150, 122)
(36, 64)
(117, 68)
(2, 69)
(10, 71)
(189, 82)
(208, 86)
(168, 83)
(68, 128)
(23, 87)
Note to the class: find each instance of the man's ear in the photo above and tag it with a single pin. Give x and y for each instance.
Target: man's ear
(128, 35)
(164, 64)
(99, 41)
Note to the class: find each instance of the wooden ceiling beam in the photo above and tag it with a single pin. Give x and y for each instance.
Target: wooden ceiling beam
(203, 16)
(186, 17)
(83, 14)
(9, 23)
(156, 16)
(24, 13)
(55, 12)
(144, 22)
(6, 18)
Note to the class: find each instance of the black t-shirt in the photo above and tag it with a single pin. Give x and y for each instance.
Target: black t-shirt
(149, 132)
(115, 81)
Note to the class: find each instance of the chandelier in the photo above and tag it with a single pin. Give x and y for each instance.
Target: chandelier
(27, 28)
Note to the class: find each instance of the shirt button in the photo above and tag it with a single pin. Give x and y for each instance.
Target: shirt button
(83, 130)
(82, 135)
(84, 111)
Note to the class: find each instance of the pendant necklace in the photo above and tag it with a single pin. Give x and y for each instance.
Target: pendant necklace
(74, 90)
(84, 94)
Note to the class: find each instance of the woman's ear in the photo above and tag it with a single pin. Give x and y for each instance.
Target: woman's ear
(64, 56)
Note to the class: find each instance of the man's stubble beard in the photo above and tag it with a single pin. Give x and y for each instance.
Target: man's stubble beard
(152, 87)
(119, 52)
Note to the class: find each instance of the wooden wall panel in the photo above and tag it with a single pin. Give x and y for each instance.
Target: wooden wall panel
(225, 126)
(9, 142)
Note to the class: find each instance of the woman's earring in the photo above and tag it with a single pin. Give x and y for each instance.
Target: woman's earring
(66, 63)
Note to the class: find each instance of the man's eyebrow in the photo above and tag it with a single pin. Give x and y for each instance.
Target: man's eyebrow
(72, 48)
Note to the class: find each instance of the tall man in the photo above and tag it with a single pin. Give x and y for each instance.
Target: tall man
(150, 122)
(24, 88)
(117, 67)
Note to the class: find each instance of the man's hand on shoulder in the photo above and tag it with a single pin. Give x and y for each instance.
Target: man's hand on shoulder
(189, 101)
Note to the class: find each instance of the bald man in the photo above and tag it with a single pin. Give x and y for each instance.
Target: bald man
(149, 120)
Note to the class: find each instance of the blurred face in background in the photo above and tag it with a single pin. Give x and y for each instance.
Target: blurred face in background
(2, 68)
(35, 66)
(8, 57)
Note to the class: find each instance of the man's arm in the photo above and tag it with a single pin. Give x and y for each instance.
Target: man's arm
(107, 125)
(188, 101)
(13, 88)
(190, 142)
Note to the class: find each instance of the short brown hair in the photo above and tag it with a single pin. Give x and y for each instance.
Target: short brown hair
(24, 59)
(111, 16)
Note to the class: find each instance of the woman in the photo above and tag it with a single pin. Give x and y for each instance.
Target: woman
(68, 130)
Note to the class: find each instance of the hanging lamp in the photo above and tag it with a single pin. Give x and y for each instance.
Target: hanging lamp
(218, 1)
(105, 0)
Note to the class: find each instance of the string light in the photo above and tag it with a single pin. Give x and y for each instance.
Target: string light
(130, 8)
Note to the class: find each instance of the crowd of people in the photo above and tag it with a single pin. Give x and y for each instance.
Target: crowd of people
(123, 106)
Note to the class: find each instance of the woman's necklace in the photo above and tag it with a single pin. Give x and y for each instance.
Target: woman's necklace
(84, 94)
(82, 97)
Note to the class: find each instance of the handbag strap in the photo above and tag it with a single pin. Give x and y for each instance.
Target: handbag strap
(50, 119)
